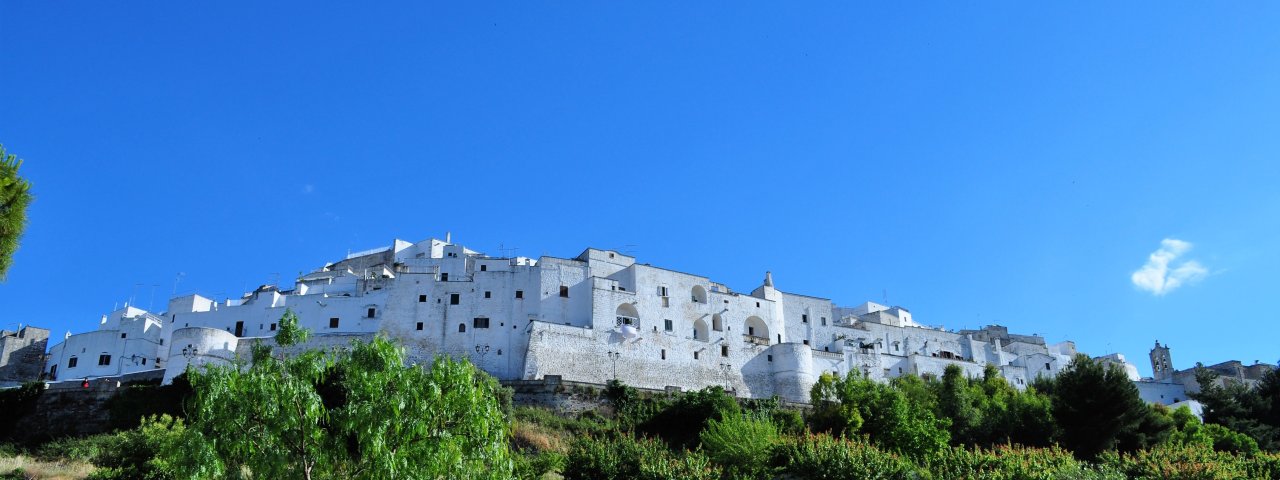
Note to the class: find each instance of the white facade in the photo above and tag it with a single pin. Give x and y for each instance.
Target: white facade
(591, 318)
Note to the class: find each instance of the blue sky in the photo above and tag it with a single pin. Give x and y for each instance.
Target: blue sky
(1001, 162)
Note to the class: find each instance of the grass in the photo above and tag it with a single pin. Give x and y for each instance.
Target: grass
(23, 467)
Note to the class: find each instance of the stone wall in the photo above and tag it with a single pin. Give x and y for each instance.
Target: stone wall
(22, 354)
(69, 409)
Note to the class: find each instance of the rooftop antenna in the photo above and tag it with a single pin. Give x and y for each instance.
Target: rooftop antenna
(885, 293)
(504, 250)
(275, 278)
(134, 293)
(153, 296)
(176, 281)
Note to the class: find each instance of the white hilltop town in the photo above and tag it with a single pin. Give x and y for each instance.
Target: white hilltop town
(591, 318)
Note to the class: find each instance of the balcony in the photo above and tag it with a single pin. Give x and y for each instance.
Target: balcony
(756, 340)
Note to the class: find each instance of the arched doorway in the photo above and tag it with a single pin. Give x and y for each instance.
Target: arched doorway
(627, 315)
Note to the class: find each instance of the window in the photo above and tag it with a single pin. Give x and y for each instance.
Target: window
(144, 361)
(484, 268)
(806, 342)
(488, 294)
(71, 363)
(519, 294)
(419, 325)
(662, 290)
(462, 327)
(122, 335)
(480, 322)
(804, 318)
(666, 325)
(757, 304)
(273, 327)
(372, 312)
(724, 350)
(104, 359)
(751, 331)
(422, 299)
(162, 340)
(769, 357)
(564, 291)
(333, 322)
(664, 354)
(1046, 365)
(455, 298)
(695, 355)
(444, 276)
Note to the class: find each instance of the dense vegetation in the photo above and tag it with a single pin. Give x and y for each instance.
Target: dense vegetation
(363, 414)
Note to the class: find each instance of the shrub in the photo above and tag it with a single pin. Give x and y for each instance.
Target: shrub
(1012, 463)
(626, 457)
(741, 444)
(821, 457)
(1180, 462)
(136, 454)
(681, 421)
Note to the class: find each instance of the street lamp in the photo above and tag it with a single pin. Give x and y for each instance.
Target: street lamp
(482, 350)
(189, 351)
(614, 357)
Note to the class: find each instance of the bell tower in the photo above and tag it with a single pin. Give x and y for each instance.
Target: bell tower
(1161, 363)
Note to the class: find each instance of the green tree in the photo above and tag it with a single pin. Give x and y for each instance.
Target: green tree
(15, 195)
(741, 444)
(1096, 405)
(1236, 406)
(856, 405)
(355, 414)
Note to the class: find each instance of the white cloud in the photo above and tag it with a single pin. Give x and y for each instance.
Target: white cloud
(1159, 276)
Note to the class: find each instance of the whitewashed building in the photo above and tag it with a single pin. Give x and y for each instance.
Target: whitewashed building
(591, 318)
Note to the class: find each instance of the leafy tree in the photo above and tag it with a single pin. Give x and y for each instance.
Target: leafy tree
(1096, 405)
(1251, 411)
(15, 195)
(357, 414)
(680, 422)
(856, 405)
(741, 444)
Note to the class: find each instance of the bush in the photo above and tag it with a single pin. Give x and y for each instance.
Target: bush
(681, 421)
(626, 457)
(136, 454)
(536, 465)
(741, 445)
(821, 457)
(84, 449)
(17, 403)
(1178, 462)
(1012, 463)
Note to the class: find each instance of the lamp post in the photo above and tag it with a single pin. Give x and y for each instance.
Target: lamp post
(482, 350)
(614, 357)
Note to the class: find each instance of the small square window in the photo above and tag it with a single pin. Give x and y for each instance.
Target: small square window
(333, 322)
(564, 291)
(695, 355)
(455, 298)
(724, 350)
(824, 321)
(480, 322)
(488, 294)
(806, 342)
(444, 276)
(770, 357)
(373, 312)
(419, 325)
(422, 299)
(519, 293)
(666, 325)
(273, 327)
(104, 359)
(123, 335)
(804, 318)
(484, 268)
(71, 363)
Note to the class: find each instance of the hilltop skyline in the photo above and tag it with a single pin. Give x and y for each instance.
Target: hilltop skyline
(1105, 179)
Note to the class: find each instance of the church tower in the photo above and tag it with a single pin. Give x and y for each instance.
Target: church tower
(1161, 363)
